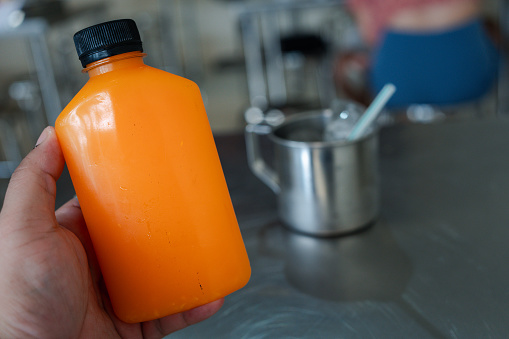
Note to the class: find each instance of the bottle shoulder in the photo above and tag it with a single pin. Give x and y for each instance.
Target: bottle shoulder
(126, 84)
(169, 77)
(143, 77)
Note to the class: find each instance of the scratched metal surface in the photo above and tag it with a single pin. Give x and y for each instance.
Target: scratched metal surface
(433, 266)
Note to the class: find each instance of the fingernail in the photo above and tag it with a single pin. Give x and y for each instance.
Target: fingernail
(42, 137)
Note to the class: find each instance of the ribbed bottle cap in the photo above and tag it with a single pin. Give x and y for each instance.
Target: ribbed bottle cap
(107, 39)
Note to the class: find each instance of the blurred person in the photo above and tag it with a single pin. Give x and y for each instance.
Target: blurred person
(50, 282)
(435, 51)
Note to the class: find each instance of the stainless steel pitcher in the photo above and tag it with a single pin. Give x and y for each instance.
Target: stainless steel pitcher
(324, 188)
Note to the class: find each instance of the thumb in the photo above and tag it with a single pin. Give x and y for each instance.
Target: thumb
(31, 192)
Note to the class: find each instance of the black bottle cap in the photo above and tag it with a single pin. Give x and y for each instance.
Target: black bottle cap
(107, 39)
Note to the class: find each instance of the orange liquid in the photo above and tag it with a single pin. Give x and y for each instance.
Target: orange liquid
(143, 162)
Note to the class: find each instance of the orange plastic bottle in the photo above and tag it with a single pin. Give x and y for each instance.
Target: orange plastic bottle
(143, 162)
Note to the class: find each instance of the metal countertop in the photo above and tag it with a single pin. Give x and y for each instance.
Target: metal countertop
(434, 265)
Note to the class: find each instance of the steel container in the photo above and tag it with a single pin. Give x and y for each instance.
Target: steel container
(324, 188)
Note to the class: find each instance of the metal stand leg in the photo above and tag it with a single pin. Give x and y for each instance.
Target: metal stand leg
(45, 74)
(34, 31)
(273, 59)
(10, 149)
(254, 63)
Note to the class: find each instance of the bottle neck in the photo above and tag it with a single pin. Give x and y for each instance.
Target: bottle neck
(116, 62)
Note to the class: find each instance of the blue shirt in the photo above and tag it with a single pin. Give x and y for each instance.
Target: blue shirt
(442, 68)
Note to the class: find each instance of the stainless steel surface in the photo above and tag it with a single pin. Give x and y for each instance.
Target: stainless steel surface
(433, 266)
(323, 188)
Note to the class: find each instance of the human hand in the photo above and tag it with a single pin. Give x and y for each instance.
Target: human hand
(51, 285)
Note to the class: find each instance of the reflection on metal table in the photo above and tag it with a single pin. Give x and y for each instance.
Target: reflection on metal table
(432, 266)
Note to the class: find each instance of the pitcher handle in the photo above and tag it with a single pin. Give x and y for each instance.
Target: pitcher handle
(255, 160)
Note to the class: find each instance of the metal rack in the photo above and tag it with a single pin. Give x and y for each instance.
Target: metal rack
(263, 52)
(34, 32)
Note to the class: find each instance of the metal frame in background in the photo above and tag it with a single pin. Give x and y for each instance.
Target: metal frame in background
(34, 31)
(258, 20)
